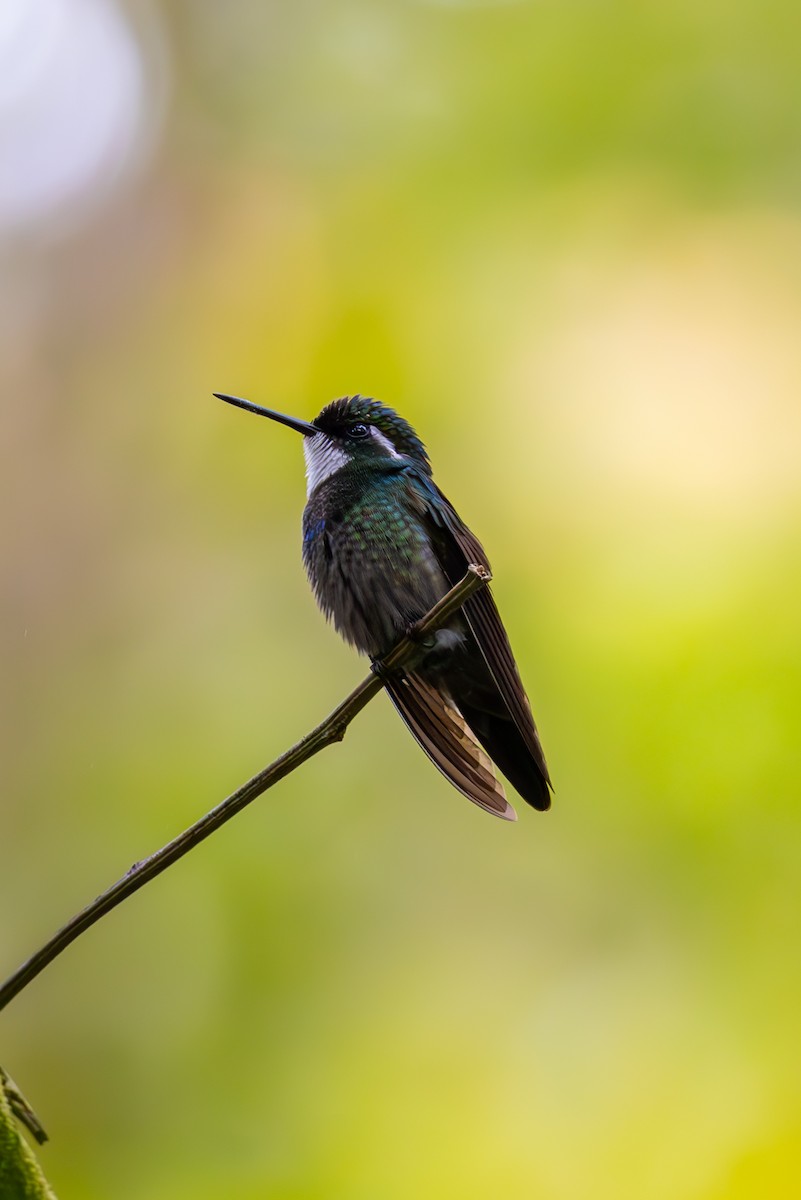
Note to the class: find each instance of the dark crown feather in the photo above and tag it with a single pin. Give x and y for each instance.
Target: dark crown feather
(348, 410)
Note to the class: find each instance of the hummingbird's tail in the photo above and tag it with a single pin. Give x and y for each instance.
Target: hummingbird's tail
(503, 742)
(441, 731)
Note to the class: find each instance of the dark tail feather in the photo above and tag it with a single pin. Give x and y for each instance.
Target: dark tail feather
(503, 742)
(440, 730)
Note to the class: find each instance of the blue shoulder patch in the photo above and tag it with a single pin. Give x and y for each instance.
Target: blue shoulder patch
(314, 530)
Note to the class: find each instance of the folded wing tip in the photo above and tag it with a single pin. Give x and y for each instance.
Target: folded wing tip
(544, 798)
(442, 732)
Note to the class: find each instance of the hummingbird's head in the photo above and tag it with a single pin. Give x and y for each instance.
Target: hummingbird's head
(361, 431)
(352, 430)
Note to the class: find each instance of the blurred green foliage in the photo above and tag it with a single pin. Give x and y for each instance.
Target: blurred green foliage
(20, 1176)
(564, 239)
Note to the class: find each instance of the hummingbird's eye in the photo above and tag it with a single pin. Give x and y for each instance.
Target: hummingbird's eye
(358, 431)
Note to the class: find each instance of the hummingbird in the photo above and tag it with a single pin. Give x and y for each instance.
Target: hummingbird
(381, 545)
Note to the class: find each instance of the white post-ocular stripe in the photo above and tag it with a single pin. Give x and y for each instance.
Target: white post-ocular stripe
(379, 437)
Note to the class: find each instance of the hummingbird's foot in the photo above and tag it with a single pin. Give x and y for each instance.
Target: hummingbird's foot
(410, 634)
(421, 643)
(419, 650)
(431, 650)
(378, 668)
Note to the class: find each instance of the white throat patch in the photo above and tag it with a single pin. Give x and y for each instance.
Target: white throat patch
(323, 458)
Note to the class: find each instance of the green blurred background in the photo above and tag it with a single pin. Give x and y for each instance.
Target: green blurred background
(564, 239)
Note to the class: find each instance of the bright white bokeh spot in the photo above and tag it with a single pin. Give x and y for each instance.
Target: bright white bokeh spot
(73, 109)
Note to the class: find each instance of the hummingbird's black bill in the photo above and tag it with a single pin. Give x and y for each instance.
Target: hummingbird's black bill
(303, 427)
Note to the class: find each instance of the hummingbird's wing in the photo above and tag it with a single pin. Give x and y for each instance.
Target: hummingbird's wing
(456, 548)
(442, 732)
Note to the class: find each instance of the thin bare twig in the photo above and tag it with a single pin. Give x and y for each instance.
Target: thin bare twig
(21, 1108)
(332, 729)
